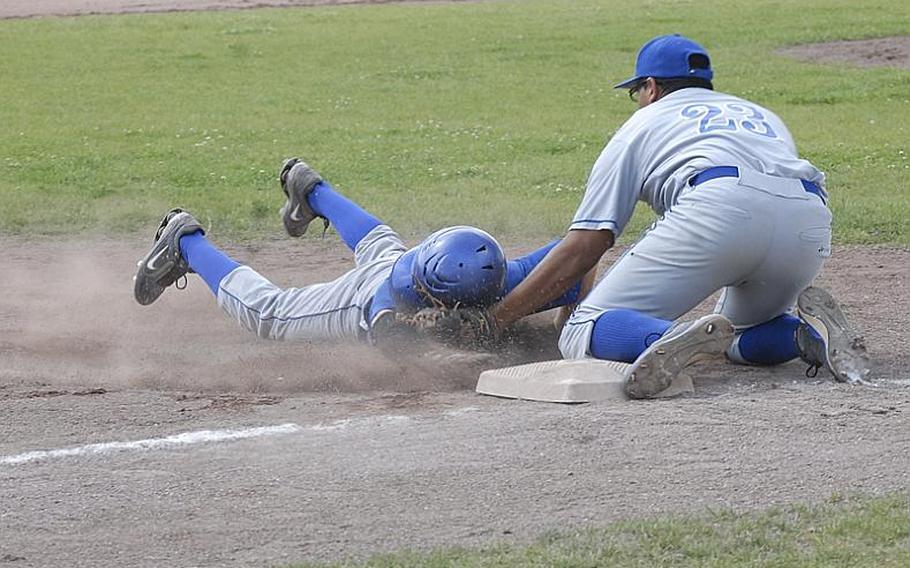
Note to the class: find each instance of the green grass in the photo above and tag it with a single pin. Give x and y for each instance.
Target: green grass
(428, 114)
(869, 532)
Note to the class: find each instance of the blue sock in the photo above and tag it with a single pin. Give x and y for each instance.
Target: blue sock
(770, 343)
(350, 220)
(209, 262)
(622, 335)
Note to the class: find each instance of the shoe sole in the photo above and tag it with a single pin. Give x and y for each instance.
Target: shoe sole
(845, 350)
(293, 214)
(655, 369)
(146, 285)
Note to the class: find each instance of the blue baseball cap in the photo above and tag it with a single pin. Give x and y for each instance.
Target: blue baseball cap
(668, 57)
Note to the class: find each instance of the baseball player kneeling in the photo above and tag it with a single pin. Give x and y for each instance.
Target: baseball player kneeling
(739, 211)
(386, 299)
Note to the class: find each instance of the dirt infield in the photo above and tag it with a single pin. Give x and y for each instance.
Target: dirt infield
(879, 52)
(381, 454)
(37, 8)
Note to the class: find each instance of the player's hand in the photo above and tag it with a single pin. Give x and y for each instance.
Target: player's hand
(462, 328)
(392, 335)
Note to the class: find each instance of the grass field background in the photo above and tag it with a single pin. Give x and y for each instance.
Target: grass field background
(429, 114)
(842, 533)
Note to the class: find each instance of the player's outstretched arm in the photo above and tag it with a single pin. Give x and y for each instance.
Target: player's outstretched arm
(480, 328)
(566, 264)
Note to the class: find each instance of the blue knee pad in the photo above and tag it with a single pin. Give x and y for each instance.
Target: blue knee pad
(622, 335)
(770, 343)
(206, 260)
(350, 220)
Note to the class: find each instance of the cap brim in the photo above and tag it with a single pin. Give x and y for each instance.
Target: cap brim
(627, 83)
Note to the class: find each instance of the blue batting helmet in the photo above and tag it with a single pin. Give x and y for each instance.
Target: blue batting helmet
(404, 292)
(454, 266)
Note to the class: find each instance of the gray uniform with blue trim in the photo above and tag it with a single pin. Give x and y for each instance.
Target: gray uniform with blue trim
(759, 235)
(327, 311)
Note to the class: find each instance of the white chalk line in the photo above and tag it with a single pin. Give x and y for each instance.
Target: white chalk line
(177, 440)
(193, 438)
(454, 413)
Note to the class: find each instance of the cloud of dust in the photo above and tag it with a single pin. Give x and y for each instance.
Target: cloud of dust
(68, 319)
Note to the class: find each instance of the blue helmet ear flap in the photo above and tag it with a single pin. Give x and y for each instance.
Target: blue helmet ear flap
(404, 292)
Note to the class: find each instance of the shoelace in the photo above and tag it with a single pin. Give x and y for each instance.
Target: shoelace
(858, 343)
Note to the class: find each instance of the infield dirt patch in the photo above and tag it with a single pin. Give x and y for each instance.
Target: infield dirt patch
(392, 454)
(34, 8)
(879, 52)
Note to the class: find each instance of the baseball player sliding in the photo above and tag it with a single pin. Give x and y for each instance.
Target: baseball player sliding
(738, 211)
(376, 301)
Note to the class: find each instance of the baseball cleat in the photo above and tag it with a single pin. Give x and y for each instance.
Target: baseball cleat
(836, 347)
(681, 346)
(164, 265)
(297, 180)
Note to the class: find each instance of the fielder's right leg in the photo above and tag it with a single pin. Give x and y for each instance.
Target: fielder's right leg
(820, 336)
(825, 338)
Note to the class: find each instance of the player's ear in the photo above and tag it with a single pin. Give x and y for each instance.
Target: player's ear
(650, 92)
(652, 83)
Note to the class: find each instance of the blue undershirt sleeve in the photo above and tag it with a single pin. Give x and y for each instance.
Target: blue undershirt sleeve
(382, 300)
(517, 270)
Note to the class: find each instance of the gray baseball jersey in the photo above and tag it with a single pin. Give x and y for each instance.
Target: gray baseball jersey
(654, 154)
(760, 236)
(330, 310)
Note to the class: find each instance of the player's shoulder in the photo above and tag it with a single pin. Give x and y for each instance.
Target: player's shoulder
(696, 95)
(697, 100)
(688, 96)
